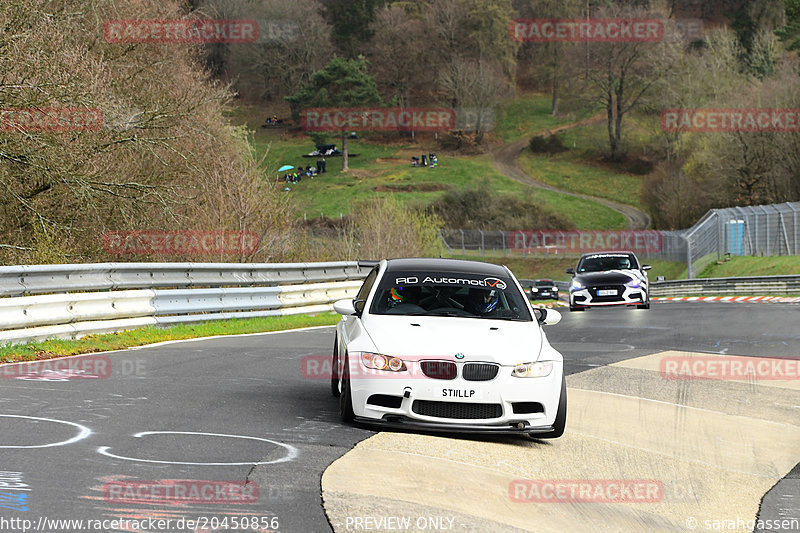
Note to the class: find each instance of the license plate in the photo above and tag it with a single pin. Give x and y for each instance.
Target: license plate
(607, 292)
(464, 394)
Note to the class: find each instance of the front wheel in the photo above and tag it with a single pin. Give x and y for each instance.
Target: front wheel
(560, 422)
(335, 368)
(346, 397)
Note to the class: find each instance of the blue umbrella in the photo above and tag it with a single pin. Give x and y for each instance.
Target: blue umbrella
(285, 167)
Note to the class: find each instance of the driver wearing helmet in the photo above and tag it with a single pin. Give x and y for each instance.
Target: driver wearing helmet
(483, 302)
(403, 294)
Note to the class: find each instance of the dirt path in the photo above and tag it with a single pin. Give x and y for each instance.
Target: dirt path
(505, 160)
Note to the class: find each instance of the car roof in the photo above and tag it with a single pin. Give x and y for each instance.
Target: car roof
(447, 265)
(614, 252)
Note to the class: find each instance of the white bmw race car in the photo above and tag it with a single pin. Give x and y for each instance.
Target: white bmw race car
(446, 344)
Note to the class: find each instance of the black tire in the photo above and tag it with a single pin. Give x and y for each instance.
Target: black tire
(335, 368)
(573, 309)
(346, 399)
(560, 422)
(643, 306)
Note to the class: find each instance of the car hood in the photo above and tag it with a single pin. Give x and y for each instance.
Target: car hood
(500, 341)
(609, 277)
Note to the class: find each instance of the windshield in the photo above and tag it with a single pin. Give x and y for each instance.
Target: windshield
(600, 263)
(544, 283)
(449, 294)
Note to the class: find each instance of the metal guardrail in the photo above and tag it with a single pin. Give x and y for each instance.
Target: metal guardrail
(44, 279)
(238, 290)
(745, 286)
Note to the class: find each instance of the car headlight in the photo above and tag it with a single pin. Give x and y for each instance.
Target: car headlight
(576, 285)
(634, 283)
(534, 289)
(378, 361)
(555, 288)
(538, 369)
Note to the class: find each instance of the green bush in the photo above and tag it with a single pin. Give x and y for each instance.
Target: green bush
(551, 144)
(482, 208)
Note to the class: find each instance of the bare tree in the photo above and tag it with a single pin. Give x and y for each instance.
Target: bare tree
(622, 74)
(141, 167)
(294, 42)
(476, 88)
(401, 65)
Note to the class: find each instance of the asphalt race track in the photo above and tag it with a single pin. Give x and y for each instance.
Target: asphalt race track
(240, 410)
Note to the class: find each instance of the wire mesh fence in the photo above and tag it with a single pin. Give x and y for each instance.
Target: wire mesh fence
(755, 230)
(762, 230)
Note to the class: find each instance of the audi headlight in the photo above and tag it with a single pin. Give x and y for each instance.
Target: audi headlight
(378, 361)
(576, 285)
(634, 283)
(539, 369)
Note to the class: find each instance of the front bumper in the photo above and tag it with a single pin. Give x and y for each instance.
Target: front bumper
(588, 297)
(517, 405)
(401, 422)
(547, 295)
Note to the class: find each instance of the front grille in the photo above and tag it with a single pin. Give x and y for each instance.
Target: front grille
(439, 369)
(457, 410)
(595, 298)
(480, 371)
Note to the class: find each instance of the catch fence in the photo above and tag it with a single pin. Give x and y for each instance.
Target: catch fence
(765, 230)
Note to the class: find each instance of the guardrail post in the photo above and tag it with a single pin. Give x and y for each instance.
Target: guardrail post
(689, 265)
(795, 223)
(463, 246)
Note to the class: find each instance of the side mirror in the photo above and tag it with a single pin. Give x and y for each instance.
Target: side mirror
(344, 307)
(571, 271)
(646, 267)
(547, 317)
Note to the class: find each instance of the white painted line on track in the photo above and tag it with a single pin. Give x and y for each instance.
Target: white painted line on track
(291, 451)
(82, 434)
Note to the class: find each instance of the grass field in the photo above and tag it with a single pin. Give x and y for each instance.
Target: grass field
(521, 117)
(753, 266)
(381, 170)
(138, 337)
(568, 172)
